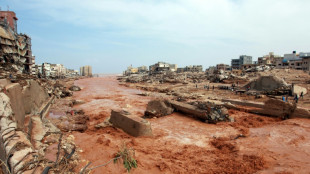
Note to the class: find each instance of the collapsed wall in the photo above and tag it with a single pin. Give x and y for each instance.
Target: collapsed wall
(15, 149)
(27, 139)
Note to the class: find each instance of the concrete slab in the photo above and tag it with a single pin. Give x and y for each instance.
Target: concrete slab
(189, 109)
(133, 125)
(244, 103)
(34, 96)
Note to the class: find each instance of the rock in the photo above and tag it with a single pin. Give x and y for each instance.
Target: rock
(104, 124)
(78, 102)
(75, 88)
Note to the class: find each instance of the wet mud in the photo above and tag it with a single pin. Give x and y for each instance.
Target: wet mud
(251, 144)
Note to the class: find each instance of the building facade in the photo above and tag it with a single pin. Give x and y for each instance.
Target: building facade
(243, 59)
(15, 48)
(161, 67)
(305, 61)
(86, 71)
(10, 18)
(223, 67)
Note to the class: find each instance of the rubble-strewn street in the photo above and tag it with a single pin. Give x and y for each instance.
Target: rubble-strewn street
(247, 112)
(249, 143)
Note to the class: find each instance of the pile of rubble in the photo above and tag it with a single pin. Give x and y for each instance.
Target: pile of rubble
(218, 76)
(30, 143)
(205, 111)
(66, 118)
(268, 85)
(166, 77)
(260, 68)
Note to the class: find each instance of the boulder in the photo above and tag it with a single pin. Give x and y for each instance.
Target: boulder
(75, 88)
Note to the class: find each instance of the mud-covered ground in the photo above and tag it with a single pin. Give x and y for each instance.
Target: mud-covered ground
(185, 145)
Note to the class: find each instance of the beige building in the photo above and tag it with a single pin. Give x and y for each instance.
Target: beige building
(86, 71)
(223, 67)
(269, 59)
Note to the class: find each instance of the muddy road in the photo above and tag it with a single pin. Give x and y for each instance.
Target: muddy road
(184, 145)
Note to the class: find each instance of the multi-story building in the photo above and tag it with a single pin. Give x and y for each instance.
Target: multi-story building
(71, 73)
(162, 67)
(223, 67)
(292, 61)
(191, 68)
(10, 18)
(86, 71)
(243, 59)
(269, 59)
(235, 64)
(305, 60)
(46, 69)
(142, 69)
(15, 48)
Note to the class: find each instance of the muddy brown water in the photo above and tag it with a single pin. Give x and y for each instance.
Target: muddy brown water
(183, 145)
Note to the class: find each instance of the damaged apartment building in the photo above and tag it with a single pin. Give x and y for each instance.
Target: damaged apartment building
(15, 51)
(191, 68)
(132, 70)
(161, 67)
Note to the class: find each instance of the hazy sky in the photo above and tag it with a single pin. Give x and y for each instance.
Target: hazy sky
(112, 34)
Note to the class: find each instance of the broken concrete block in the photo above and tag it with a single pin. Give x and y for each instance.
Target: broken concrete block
(19, 156)
(38, 129)
(244, 103)
(158, 108)
(20, 138)
(189, 109)
(130, 124)
(5, 106)
(14, 92)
